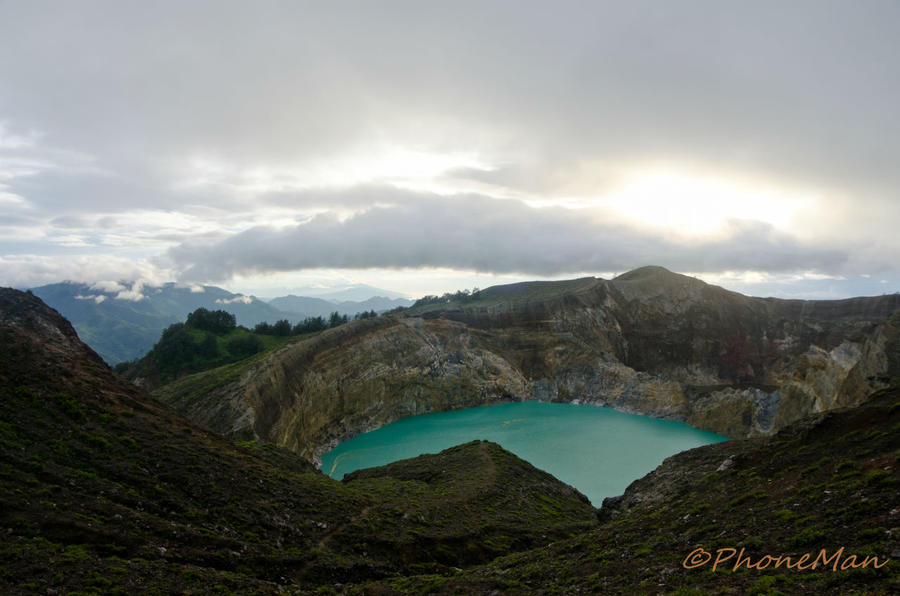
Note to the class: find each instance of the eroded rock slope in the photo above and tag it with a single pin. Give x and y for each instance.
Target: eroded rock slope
(649, 341)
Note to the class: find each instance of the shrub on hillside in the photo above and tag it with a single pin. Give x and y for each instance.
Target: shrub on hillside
(214, 321)
(244, 345)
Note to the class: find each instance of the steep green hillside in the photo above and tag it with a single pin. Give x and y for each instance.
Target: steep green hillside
(104, 490)
(205, 340)
(210, 339)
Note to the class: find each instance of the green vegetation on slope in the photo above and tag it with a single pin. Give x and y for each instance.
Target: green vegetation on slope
(892, 330)
(828, 482)
(507, 294)
(211, 338)
(104, 490)
(122, 329)
(498, 492)
(207, 339)
(189, 391)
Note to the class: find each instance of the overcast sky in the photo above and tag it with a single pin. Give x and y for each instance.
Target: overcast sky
(427, 147)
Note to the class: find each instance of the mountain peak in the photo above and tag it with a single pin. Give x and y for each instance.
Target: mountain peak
(647, 272)
(39, 342)
(29, 314)
(654, 282)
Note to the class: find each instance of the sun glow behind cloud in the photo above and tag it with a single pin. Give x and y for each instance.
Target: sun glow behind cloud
(750, 129)
(692, 205)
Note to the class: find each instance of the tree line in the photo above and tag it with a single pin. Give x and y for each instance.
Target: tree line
(283, 327)
(458, 296)
(198, 343)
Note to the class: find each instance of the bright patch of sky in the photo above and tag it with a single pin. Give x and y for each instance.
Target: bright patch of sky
(410, 146)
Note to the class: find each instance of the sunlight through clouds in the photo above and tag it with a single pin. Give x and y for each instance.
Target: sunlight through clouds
(692, 205)
(524, 142)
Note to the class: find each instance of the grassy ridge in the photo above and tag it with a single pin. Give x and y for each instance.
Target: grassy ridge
(507, 294)
(184, 349)
(828, 482)
(107, 491)
(190, 388)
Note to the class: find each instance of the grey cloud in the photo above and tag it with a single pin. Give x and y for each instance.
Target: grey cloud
(799, 89)
(77, 222)
(353, 198)
(23, 271)
(53, 191)
(69, 221)
(486, 235)
(555, 94)
(17, 219)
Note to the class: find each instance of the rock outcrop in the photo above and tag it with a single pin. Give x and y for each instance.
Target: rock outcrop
(649, 341)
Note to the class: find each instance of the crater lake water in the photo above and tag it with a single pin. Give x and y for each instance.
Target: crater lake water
(598, 450)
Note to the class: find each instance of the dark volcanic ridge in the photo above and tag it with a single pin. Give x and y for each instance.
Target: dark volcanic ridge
(649, 342)
(106, 491)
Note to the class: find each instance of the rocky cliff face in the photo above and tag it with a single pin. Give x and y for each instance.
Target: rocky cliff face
(650, 342)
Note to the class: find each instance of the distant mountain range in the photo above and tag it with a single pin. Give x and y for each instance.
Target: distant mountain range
(353, 293)
(314, 307)
(122, 323)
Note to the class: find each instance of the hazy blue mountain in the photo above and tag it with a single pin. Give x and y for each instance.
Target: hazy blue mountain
(377, 303)
(304, 305)
(309, 306)
(120, 328)
(356, 293)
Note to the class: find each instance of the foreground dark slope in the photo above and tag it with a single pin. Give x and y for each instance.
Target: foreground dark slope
(105, 490)
(650, 341)
(826, 482)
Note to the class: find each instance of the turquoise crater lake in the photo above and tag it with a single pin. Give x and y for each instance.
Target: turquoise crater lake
(596, 449)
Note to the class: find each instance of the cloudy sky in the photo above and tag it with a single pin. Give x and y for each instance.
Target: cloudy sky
(427, 147)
